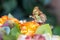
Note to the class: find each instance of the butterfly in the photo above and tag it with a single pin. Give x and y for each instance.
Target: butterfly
(38, 15)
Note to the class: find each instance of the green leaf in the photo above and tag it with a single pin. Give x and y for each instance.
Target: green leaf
(15, 31)
(44, 29)
(56, 30)
(10, 15)
(9, 37)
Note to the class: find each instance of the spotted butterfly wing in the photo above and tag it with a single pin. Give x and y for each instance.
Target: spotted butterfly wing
(38, 15)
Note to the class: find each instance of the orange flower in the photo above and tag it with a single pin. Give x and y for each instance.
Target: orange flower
(4, 18)
(1, 21)
(14, 20)
(29, 28)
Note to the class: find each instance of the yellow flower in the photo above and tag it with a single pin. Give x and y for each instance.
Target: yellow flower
(29, 28)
